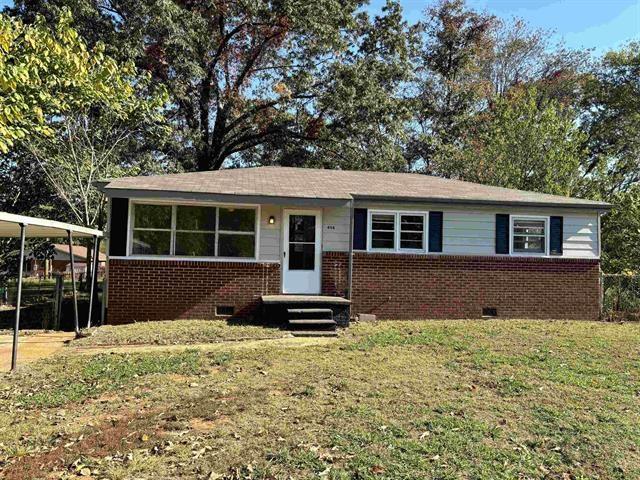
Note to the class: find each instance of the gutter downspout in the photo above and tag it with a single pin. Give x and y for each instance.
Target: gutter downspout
(600, 274)
(350, 279)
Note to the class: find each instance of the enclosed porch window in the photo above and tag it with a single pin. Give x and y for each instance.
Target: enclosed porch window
(193, 231)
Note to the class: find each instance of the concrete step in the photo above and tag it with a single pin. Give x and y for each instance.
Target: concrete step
(314, 333)
(312, 321)
(304, 311)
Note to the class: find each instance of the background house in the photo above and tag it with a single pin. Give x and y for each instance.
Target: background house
(61, 263)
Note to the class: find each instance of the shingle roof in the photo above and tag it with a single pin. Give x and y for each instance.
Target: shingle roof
(311, 183)
(79, 252)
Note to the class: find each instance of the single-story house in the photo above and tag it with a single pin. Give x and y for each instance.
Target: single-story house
(60, 262)
(396, 245)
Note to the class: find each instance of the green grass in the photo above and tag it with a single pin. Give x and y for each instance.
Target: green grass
(389, 400)
(175, 332)
(84, 377)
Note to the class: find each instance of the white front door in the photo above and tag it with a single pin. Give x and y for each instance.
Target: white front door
(302, 251)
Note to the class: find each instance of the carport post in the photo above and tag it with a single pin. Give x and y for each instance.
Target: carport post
(73, 283)
(16, 325)
(94, 275)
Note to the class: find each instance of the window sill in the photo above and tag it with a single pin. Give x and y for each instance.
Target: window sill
(190, 259)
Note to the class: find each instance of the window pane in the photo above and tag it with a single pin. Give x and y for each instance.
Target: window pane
(382, 240)
(149, 242)
(230, 245)
(152, 216)
(528, 244)
(412, 232)
(195, 244)
(535, 227)
(382, 222)
(412, 223)
(302, 228)
(237, 220)
(302, 256)
(196, 218)
(411, 240)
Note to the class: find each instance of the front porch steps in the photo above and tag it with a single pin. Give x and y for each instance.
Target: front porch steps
(311, 322)
(307, 315)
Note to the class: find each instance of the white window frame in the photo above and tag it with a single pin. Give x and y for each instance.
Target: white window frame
(131, 229)
(397, 215)
(174, 205)
(512, 221)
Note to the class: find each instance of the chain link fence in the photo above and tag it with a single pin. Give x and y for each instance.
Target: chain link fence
(621, 297)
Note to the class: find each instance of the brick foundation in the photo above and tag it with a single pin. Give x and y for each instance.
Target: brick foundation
(394, 286)
(143, 290)
(335, 273)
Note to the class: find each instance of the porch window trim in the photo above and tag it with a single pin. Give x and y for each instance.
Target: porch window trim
(512, 221)
(397, 233)
(174, 207)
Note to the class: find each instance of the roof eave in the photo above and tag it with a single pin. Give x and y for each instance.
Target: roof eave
(485, 202)
(223, 197)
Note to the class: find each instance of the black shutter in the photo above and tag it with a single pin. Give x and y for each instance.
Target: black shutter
(435, 231)
(555, 235)
(359, 228)
(118, 227)
(502, 233)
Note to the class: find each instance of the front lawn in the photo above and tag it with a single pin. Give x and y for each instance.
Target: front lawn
(392, 400)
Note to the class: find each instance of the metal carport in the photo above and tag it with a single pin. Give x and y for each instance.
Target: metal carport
(20, 226)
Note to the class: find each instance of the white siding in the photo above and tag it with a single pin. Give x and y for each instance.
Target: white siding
(270, 234)
(580, 236)
(335, 231)
(468, 232)
(471, 231)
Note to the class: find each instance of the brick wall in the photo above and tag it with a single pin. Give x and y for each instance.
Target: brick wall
(142, 290)
(335, 273)
(444, 286)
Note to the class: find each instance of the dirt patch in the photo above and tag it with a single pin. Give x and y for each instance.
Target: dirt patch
(32, 347)
(117, 435)
(203, 425)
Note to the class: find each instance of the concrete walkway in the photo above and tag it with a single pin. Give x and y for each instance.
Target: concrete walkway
(32, 347)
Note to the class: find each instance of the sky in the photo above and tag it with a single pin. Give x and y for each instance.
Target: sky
(601, 25)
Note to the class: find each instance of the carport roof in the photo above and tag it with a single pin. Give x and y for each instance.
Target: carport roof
(41, 227)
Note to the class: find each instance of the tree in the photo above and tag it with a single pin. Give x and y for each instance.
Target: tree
(520, 55)
(245, 77)
(621, 233)
(88, 146)
(77, 128)
(47, 72)
(71, 109)
(448, 85)
(611, 120)
(359, 121)
(521, 144)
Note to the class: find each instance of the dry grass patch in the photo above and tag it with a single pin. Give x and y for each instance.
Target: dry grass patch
(394, 400)
(175, 332)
